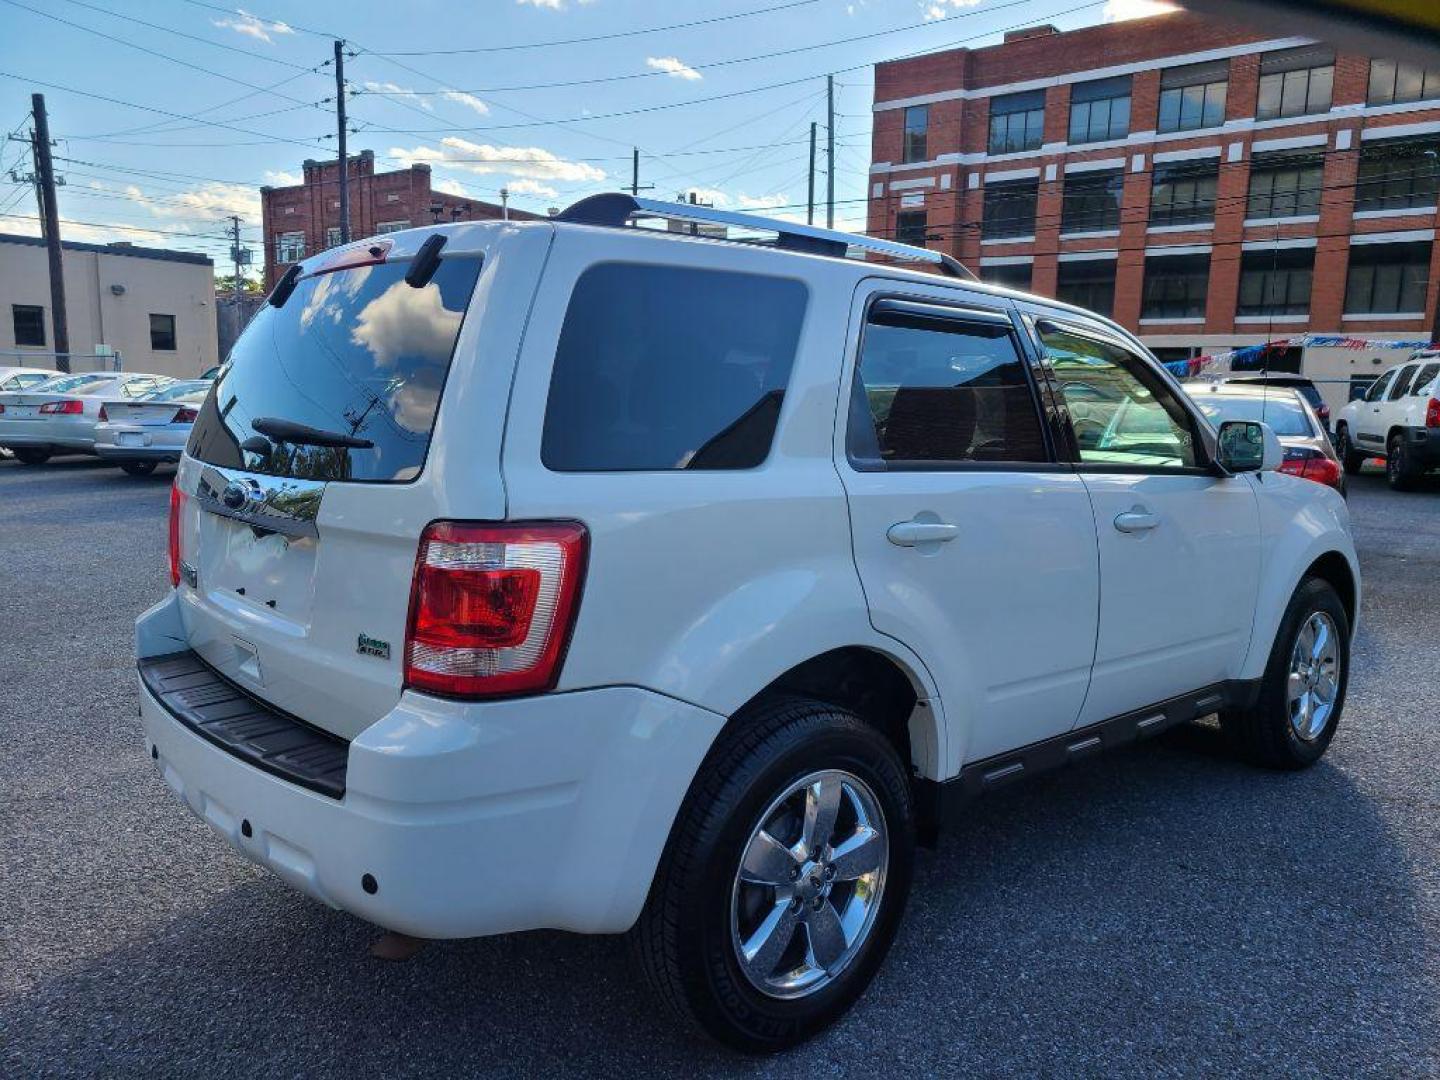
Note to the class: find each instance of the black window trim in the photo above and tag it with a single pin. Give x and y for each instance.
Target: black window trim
(957, 310)
(1200, 430)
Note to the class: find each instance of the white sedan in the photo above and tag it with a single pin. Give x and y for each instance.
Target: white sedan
(23, 378)
(59, 416)
(138, 435)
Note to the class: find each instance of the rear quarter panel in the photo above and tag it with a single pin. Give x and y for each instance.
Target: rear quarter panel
(703, 585)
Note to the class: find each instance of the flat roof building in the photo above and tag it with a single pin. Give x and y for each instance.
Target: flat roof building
(155, 308)
(1206, 185)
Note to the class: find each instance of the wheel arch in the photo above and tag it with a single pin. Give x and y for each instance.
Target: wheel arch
(1333, 568)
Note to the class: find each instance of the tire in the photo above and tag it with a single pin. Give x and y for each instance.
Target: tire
(1352, 459)
(138, 468)
(688, 938)
(31, 455)
(1400, 472)
(1270, 733)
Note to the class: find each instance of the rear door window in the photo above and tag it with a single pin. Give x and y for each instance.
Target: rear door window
(1424, 378)
(935, 387)
(1401, 386)
(665, 367)
(357, 353)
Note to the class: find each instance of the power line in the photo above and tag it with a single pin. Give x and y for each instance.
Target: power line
(589, 38)
(113, 227)
(746, 59)
(252, 53)
(265, 20)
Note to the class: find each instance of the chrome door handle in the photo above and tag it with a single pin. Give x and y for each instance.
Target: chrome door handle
(912, 533)
(1137, 520)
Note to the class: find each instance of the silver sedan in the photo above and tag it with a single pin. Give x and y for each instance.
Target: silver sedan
(139, 435)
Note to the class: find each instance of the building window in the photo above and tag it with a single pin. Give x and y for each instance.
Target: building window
(1092, 201)
(290, 247)
(29, 324)
(1017, 122)
(1175, 286)
(1295, 82)
(392, 197)
(1010, 275)
(332, 237)
(289, 209)
(1183, 192)
(1285, 184)
(917, 127)
(1010, 209)
(1394, 83)
(1398, 174)
(1089, 283)
(1276, 282)
(1193, 96)
(1387, 278)
(390, 226)
(910, 227)
(162, 333)
(1100, 110)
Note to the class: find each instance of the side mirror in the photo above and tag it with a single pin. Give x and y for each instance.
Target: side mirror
(1249, 446)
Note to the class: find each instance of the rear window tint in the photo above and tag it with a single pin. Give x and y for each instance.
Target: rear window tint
(661, 367)
(358, 352)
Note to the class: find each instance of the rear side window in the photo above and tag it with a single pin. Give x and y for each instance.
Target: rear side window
(355, 353)
(933, 390)
(663, 367)
(1425, 378)
(1401, 386)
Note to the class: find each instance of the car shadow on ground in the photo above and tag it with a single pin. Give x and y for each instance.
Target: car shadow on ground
(1164, 910)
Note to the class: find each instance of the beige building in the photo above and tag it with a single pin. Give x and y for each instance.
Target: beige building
(154, 308)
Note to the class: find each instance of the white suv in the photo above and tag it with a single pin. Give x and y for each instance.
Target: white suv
(569, 574)
(1398, 419)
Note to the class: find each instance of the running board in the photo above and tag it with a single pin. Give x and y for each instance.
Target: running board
(940, 802)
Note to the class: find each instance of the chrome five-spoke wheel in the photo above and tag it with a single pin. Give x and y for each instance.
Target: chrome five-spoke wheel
(1314, 676)
(809, 884)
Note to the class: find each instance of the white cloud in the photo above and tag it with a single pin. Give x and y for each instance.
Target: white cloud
(672, 66)
(211, 201)
(940, 9)
(449, 186)
(532, 187)
(723, 200)
(553, 5)
(482, 158)
(390, 89)
(251, 26)
(1121, 10)
(470, 101)
(281, 178)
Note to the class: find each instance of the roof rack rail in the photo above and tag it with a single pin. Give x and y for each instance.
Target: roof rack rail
(617, 208)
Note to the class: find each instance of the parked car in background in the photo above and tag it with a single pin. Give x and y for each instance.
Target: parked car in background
(59, 416)
(23, 378)
(1305, 387)
(1309, 453)
(573, 575)
(139, 435)
(1398, 419)
(55, 381)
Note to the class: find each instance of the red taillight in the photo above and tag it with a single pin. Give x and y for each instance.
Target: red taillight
(1432, 413)
(186, 415)
(177, 501)
(1310, 465)
(68, 408)
(2, 410)
(104, 416)
(491, 607)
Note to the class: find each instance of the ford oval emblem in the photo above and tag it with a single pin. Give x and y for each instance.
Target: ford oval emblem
(233, 496)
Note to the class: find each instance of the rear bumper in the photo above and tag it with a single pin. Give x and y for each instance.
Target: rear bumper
(1422, 445)
(111, 452)
(469, 819)
(156, 443)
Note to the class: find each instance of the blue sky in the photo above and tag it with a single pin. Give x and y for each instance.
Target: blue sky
(237, 98)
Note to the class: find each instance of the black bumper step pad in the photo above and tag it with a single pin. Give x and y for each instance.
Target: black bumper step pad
(216, 709)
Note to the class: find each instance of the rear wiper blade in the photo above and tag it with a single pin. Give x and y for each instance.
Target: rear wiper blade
(291, 432)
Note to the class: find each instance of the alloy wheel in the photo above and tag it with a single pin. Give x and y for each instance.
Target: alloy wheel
(1315, 674)
(809, 885)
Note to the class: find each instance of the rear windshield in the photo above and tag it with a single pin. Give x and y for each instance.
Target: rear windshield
(664, 367)
(1283, 413)
(357, 353)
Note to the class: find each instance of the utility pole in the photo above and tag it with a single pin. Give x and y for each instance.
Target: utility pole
(829, 151)
(504, 204)
(635, 186)
(810, 195)
(235, 254)
(50, 215)
(344, 161)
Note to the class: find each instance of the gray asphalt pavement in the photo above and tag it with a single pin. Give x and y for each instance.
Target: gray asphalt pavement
(1165, 911)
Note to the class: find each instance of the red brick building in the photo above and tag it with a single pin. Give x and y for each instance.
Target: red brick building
(301, 220)
(1204, 184)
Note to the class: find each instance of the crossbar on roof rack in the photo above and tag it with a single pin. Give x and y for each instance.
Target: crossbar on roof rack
(617, 208)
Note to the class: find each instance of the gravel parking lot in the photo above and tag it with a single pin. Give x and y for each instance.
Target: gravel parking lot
(1165, 911)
